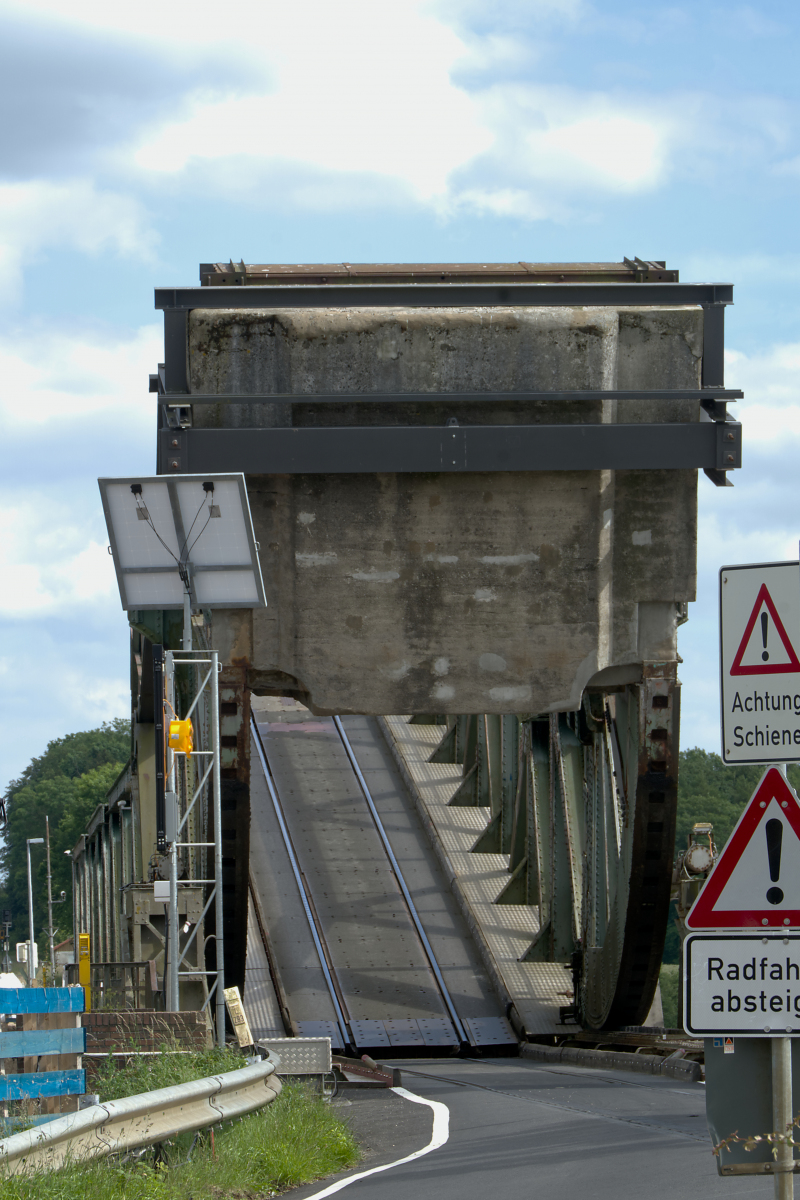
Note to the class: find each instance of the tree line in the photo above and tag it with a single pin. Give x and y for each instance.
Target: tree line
(66, 783)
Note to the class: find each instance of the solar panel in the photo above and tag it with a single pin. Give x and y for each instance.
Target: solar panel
(187, 530)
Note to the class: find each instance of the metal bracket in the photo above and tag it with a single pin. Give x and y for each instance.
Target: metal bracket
(729, 444)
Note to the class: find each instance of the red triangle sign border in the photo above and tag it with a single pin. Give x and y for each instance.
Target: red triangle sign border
(790, 668)
(702, 914)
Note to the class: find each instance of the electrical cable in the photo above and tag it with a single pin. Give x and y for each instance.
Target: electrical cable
(180, 561)
(143, 508)
(200, 534)
(191, 527)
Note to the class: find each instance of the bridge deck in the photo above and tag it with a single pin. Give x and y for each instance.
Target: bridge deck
(376, 954)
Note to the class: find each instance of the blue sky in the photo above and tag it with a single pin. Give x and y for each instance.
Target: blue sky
(139, 140)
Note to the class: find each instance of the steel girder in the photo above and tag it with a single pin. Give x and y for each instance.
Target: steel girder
(582, 805)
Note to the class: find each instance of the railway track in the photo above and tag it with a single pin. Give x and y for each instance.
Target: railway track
(433, 1018)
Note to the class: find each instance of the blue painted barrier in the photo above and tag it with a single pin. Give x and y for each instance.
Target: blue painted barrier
(42, 1000)
(40, 1084)
(42, 1041)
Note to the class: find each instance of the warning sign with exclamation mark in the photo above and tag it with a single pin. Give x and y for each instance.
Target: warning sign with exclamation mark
(755, 882)
(759, 663)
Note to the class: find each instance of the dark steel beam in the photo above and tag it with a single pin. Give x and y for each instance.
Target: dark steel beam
(714, 346)
(175, 375)
(317, 451)
(706, 395)
(442, 295)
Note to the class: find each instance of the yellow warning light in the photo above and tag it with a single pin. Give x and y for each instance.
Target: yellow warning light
(181, 736)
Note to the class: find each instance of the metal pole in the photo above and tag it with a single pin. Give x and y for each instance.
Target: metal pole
(187, 620)
(782, 1114)
(782, 1100)
(173, 997)
(75, 902)
(31, 975)
(217, 789)
(173, 954)
(50, 903)
(30, 920)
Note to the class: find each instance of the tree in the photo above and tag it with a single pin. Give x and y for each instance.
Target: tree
(708, 790)
(66, 783)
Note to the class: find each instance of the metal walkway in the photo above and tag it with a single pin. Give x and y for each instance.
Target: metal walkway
(367, 943)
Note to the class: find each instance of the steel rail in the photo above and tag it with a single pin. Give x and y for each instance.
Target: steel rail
(398, 874)
(301, 884)
(121, 1125)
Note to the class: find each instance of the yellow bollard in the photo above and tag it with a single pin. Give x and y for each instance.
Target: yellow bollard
(85, 969)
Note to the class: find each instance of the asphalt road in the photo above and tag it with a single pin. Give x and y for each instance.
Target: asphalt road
(523, 1129)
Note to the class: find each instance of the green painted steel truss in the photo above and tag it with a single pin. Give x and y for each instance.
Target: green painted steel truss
(582, 807)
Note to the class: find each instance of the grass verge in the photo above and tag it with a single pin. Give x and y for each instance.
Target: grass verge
(295, 1139)
(147, 1074)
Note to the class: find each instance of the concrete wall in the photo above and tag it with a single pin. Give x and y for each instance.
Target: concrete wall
(461, 593)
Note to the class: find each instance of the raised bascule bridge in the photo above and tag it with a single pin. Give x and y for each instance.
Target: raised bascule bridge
(450, 739)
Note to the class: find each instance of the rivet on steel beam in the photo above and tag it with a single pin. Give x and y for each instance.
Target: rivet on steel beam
(175, 464)
(728, 458)
(175, 443)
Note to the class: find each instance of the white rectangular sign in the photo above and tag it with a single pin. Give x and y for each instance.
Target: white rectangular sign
(746, 985)
(759, 622)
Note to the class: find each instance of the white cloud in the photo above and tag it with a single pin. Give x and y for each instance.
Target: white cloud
(53, 557)
(359, 90)
(356, 90)
(770, 381)
(75, 214)
(497, 202)
(56, 377)
(50, 562)
(62, 683)
(574, 138)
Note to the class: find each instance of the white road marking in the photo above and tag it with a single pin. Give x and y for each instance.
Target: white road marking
(439, 1135)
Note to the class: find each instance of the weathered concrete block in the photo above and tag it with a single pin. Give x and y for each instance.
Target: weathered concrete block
(461, 593)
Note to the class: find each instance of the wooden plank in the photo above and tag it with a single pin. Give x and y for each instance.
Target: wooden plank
(43, 1041)
(42, 1083)
(42, 1000)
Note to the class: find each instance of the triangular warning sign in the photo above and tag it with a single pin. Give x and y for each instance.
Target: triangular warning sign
(755, 882)
(764, 656)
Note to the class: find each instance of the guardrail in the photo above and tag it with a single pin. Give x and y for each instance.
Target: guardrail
(120, 1125)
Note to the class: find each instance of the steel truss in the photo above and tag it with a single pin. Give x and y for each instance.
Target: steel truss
(173, 818)
(583, 806)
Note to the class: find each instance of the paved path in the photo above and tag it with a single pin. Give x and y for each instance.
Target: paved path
(522, 1129)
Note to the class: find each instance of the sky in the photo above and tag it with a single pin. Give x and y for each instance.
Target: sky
(140, 140)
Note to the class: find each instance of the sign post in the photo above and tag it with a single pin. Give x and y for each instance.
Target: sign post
(753, 882)
(742, 978)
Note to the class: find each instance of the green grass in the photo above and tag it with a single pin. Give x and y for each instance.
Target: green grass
(295, 1139)
(148, 1073)
(668, 978)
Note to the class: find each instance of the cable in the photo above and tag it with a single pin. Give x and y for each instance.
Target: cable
(191, 527)
(200, 534)
(143, 508)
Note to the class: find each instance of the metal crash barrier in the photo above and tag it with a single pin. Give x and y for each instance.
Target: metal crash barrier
(121, 1125)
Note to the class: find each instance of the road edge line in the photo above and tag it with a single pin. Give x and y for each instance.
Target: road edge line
(439, 1135)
